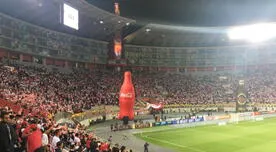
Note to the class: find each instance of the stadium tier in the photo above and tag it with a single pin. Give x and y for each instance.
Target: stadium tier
(28, 42)
(191, 89)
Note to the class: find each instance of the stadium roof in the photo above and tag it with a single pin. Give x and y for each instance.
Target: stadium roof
(183, 36)
(94, 22)
(186, 23)
(194, 12)
(178, 36)
(100, 24)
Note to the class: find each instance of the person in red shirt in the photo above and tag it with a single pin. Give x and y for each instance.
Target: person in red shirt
(104, 147)
(88, 142)
(34, 137)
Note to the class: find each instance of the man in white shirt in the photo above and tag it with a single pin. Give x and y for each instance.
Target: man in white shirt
(44, 139)
(56, 138)
(77, 140)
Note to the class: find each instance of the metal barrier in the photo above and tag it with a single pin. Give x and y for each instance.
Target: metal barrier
(62, 115)
(97, 111)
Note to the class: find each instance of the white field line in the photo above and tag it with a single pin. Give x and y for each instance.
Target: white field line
(179, 126)
(174, 144)
(194, 149)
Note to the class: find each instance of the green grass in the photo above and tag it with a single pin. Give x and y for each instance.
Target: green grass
(243, 137)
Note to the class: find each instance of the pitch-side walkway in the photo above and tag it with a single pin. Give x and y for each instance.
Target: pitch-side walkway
(126, 138)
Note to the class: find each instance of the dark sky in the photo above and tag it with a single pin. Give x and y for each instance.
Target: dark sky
(195, 12)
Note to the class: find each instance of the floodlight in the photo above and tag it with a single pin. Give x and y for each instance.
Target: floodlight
(253, 33)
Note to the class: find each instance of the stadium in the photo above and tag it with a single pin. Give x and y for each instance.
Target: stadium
(137, 76)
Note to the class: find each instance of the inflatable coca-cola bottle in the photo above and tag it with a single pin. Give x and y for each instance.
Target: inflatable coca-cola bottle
(127, 98)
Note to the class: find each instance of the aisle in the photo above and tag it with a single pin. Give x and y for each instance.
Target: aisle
(126, 138)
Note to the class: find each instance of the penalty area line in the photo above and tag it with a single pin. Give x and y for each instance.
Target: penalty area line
(174, 144)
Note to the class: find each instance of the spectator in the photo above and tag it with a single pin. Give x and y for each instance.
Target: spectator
(56, 138)
(77, 141)
(45, 138)
(94, 145)
(59, 147)
(146, 149)
(34, 137)
(116, 148)
(123, 149)
(109, 139)
(8, 138)
(88, 142)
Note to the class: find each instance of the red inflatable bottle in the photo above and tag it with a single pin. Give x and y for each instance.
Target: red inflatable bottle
(127, 98)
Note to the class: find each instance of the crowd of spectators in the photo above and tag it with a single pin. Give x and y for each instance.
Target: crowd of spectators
(261, 87)
(45, 92)
(36, 88)
(213, 88)
(30, 133)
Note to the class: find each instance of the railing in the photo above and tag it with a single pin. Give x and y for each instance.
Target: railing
(98, 111)
(62, 115)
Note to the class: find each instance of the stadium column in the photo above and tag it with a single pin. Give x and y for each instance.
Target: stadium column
(241, 97)
(43, 61)
(115, 58)
(34, 59)
(117, 40)
(86, 65)
(21, 57)
(66, 64)
(8, 54)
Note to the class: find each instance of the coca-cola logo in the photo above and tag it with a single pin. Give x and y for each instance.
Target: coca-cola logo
(126, 95)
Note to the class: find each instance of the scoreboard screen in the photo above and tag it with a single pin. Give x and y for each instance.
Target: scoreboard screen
(70, 16)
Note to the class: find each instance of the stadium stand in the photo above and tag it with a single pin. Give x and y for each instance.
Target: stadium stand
(33, 93)
(47, 14)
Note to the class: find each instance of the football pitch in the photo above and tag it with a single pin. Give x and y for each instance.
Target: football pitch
(243, 137)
